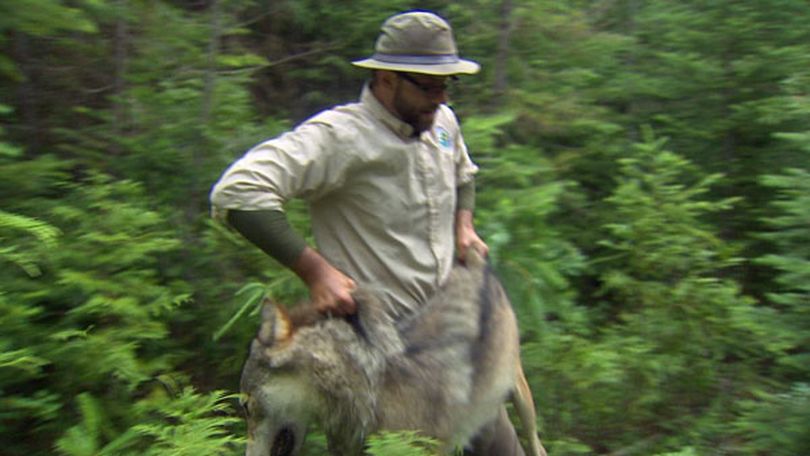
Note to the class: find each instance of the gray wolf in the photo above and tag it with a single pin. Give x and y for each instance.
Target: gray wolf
(445, 372)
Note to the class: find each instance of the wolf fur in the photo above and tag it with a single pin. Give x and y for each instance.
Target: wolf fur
(444, 372)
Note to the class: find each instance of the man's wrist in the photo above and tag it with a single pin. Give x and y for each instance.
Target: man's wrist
(310, 266)
(464, 219)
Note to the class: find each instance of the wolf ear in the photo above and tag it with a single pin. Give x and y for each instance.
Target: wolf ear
(276, 326)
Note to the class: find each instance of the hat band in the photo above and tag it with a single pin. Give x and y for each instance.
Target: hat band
(437, 59)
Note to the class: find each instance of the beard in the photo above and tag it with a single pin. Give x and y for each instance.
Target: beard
(419, 116)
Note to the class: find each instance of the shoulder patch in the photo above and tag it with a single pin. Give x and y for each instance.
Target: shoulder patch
(443, 137)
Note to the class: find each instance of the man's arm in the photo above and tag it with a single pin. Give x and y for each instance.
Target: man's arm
(253, 190)
(329, 289)
(466, 237)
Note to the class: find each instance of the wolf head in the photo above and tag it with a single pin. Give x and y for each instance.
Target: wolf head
(278, 416)
(305, 368)
(276, 400)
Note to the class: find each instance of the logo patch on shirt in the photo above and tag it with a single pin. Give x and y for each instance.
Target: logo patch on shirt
(443, 136)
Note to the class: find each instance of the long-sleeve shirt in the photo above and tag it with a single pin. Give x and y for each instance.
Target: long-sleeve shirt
(382, 201)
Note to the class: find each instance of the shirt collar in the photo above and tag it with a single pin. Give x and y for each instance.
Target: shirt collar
(379, 111)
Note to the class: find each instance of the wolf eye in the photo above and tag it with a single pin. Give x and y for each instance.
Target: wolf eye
(284, 443)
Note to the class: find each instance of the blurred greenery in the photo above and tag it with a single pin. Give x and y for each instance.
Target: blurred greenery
(645, 172)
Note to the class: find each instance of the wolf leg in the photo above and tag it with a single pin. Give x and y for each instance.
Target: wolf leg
(524, 406)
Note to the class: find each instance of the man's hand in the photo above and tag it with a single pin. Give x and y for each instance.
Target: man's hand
(466, 237)
(329, 289)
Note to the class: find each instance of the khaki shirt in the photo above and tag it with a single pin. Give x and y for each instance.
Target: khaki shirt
(382, 202)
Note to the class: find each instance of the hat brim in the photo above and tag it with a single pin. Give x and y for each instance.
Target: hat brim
(439, 69)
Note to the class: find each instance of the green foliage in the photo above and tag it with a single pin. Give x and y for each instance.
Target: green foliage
(83, 439)
(777, 423)
(315, 444)
(401, 444)
(37, 18)
(21, 364)
(674, 322)
(187, 424)
(658, 231)
(516, 196)
(254, 295)
(42, 17)
(197, 425)
(662, 296)
(94, 326)
(790, 232)
(43, 233)
(688, 451)
(666, 323)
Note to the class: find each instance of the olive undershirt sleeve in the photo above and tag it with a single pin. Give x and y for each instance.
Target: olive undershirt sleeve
(465, 196)
(270, 231)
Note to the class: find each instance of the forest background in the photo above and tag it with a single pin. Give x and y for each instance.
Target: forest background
(644, 187)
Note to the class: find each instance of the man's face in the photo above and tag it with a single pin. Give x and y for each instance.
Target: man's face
(417, 98)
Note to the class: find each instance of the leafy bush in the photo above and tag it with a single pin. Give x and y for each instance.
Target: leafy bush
(401, 444)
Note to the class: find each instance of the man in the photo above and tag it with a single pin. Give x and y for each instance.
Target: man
(388, 180)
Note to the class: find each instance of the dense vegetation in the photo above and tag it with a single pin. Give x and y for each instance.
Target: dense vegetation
(645, 189)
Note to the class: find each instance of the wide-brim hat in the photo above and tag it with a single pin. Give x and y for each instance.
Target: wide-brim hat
(417, 42)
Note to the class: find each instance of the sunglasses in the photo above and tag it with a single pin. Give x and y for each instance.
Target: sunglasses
(429, 90)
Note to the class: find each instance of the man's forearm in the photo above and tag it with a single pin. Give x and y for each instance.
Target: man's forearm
(329, 288)
(310, 266)
(466, 237)
(465, 196)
